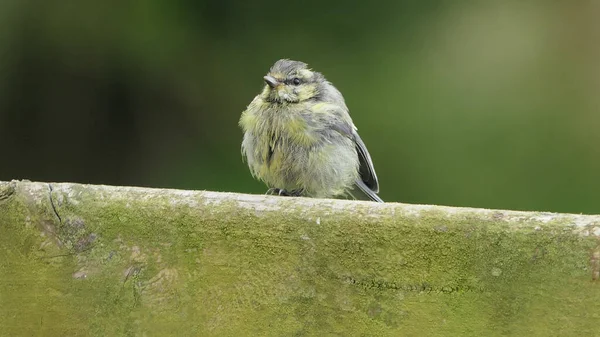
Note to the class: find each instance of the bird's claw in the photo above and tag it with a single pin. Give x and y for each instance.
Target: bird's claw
(273, 191)
(284, 193)
(297, 193)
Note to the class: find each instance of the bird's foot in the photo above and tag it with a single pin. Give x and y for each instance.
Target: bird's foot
(285, 193)
(273, 191)
(277, 191)
(297, 193)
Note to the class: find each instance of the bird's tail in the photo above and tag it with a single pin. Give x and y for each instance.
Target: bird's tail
(364, 191)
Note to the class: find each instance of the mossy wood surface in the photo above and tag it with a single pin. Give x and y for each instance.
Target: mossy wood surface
(87, 260)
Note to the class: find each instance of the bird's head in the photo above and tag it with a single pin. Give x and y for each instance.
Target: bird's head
(292, 82)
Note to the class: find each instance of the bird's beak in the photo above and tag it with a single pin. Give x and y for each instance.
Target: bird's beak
(271, 81)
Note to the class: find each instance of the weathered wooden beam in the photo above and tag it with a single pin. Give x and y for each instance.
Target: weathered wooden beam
(102, 260)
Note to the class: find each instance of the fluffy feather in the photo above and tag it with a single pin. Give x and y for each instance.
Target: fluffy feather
(299, 137)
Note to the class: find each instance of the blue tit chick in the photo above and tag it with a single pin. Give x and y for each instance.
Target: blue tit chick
(299, 138)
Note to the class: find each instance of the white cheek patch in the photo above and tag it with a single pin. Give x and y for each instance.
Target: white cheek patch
(282, 93)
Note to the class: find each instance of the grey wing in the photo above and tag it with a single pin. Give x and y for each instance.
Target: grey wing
(367, 171)
(367, 182)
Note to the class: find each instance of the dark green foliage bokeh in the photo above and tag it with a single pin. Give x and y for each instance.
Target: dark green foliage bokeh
(478, 104)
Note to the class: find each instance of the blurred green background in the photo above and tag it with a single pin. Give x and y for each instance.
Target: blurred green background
(482, 104)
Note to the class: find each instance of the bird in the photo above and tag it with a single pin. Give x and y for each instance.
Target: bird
(299, 138)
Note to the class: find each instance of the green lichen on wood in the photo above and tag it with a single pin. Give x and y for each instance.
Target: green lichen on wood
(98, 260)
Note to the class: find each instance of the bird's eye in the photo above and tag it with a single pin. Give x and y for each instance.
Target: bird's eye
(296, 81)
